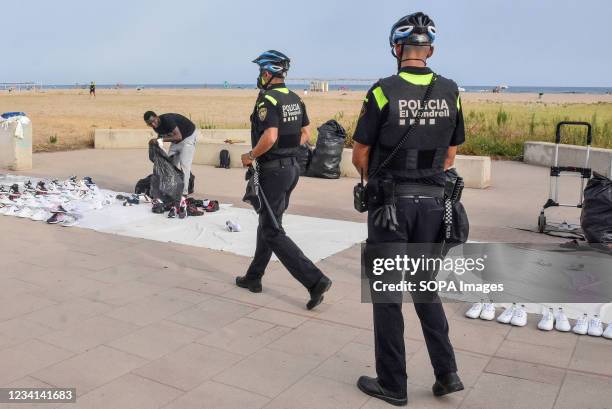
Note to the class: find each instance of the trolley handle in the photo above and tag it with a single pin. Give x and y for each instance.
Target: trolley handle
(572, 123)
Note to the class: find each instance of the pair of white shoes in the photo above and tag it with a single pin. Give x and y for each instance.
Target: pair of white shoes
(558, 321)
(513, 315)
(583, 326)
(592, 327)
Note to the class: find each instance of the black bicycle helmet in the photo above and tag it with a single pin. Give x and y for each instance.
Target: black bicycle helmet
(413, 29)
(275, 62)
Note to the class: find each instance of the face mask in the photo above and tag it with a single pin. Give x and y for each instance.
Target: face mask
(261, 81)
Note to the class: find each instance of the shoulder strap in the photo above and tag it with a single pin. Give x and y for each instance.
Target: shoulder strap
(410, 129)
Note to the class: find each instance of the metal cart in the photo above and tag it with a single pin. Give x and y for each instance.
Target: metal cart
(556, 172)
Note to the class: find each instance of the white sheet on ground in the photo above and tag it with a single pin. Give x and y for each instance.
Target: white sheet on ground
(318, 238)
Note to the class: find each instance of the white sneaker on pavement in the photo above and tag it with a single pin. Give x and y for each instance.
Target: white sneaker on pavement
(519, 317)
(582, 325)
(506, 316)
(547, 323)
(595, 327)
(475, 310)
(608, 332)
(562, 322)
(488, 312)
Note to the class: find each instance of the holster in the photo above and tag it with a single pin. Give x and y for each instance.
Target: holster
(456, 226)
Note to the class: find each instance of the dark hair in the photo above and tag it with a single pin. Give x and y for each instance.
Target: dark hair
(148, 115)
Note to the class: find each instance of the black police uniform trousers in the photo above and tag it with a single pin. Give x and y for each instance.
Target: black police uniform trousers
(277, 184)
(420, 221)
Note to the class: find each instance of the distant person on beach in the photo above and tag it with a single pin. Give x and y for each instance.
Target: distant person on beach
(182, 134)
(92, 89)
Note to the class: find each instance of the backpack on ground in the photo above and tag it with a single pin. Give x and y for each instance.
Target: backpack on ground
(224, 159)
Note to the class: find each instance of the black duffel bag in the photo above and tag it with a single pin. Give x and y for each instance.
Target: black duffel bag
(596, 217)
(325, 162)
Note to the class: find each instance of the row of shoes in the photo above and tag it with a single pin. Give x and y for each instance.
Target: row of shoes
(187, 207)
(52, 201)
(517, 316)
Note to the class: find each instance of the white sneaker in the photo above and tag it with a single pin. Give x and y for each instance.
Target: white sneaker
(506, 316)
(582, 325)
(547, 322)
(519, 317)
(26, 213)
(595, 327)
(488, 312)
(608, 332)
(5, 200)
(69, 220)
(40, 215)
(562, 322)
(475, 310)
(232, 226)
(12, 211)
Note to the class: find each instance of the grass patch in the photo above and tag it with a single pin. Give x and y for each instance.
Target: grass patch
(500, 130)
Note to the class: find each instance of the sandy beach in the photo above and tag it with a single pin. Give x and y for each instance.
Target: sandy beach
(70, 116)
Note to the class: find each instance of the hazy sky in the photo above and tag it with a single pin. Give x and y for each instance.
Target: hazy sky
(480, 42)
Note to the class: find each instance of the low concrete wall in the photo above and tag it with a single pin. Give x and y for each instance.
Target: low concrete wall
(122, 138)
(138, 138)
(207, 153)
(476, 170)
(543, 153)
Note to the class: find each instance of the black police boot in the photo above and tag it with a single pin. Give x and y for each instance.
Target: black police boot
(252, 284)
(371, 386)
(446, 384)
(316, 292)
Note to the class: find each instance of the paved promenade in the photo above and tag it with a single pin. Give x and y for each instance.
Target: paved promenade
(133, 323)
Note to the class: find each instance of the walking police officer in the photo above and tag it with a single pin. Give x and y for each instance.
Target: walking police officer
(279, 125)
(409, 203)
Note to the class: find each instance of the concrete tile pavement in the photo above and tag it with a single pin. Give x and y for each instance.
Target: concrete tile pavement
(139, 324)
(140, 344)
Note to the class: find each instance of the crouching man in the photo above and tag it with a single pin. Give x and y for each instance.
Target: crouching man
(182, 134)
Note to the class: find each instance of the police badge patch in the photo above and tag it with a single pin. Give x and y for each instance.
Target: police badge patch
(262, 113)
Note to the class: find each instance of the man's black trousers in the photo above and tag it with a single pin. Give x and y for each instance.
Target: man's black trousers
(420, 221)
(277, 184)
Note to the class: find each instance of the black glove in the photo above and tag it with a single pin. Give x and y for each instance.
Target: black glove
(386, 217)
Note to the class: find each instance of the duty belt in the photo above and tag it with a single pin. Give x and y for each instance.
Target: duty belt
(418, 190)
(278, 163)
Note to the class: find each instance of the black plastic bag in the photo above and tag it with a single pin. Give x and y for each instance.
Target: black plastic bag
(304, 156)
(143, 187)
(191, 187)
(327, 155)
(167, 180)
(596, 217)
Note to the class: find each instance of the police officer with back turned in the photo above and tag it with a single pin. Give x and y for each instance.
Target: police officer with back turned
(279, 125)
(409, 199)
